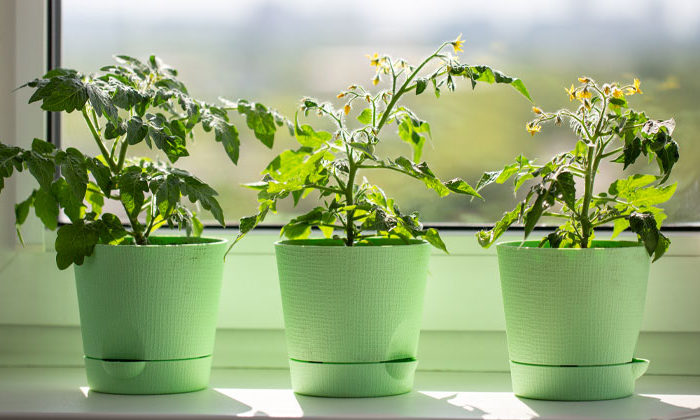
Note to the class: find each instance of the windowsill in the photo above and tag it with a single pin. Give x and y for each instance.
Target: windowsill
(62, 393)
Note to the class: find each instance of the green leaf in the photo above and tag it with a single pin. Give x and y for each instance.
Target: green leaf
(307, 137)
(433, 237)
(21, 213)
(198, 191)
(486, 238)
(112, 131)
(43, 147)
(41, 168)
(227, 135)
(260, 120)
(95, 199)
(74, 169)
(132, 186)
(72, 207)
(488, 75)
(74, 242)
(626, 186)
(11, 158)
(101, 173)
(61, 93)
(566, 186)
(487, 178)
(421, 84)
(136, 130)
(296, 230)
(619, 226)
(168, 195)
(22, 209)
(46, 208)
(365, 116)
(459, 186)
(644, 225)
(410, 131)
(101, 101)
(110, 229)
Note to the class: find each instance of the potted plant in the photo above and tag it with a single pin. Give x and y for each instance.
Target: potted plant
(574, 304)
(352, 300)
(148, 305)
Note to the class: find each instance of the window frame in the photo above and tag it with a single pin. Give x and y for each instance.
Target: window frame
(53, 135)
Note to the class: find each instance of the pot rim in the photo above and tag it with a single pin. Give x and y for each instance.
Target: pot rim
(616, 245)
(338, 244)
(200, 241)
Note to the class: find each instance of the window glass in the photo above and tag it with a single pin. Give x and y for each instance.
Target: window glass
(276, 51)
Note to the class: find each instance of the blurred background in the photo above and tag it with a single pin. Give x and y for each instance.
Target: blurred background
(277, 51)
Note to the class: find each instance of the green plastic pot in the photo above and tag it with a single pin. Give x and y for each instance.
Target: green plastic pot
(352, 314)
(148, 314)
(573, 318)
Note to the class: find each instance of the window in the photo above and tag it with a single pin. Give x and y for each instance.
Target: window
(271, 51)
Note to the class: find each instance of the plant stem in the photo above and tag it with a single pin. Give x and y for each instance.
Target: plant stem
(400, 92)
(122, 156)
(98, 140)
(350, 224)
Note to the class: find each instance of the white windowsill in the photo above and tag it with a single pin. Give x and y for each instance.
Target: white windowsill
(61, 393)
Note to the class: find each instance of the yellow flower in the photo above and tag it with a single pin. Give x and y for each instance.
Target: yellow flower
(352, 87)
(617, 92)
(533, 128)
(368, 98)
(375, 80)
(606, 89)
(571, 92)
(347, 109)
(583, 94)
(373, 59)
(340, 95)
(636, 86)
(457, 43)
(584, 79)
(536, 110)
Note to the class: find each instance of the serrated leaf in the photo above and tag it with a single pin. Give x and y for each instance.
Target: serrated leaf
(411, 131)
(72, 207)
(112, 130)
(433, 237)
(74, 242)
(486, 238)
(101, 173)
(644, 225)
(41, 168)
(260, 120)
(566, 186)
(132, 187)
(136, 130)
(459, 186)
(61, 93)
(46, 208)
(308, 137)
(74, 169)
(101, 101)
(168, 195)
(198, 191)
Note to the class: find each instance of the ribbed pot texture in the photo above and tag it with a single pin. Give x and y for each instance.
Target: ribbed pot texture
(573, 307)
(156, 304)
(360, 304)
